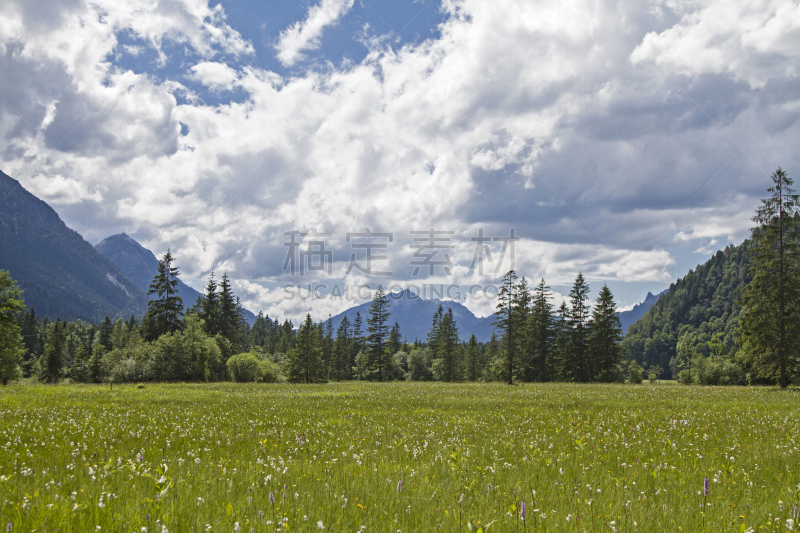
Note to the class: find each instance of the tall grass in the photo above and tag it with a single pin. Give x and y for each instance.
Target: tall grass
(583, 457)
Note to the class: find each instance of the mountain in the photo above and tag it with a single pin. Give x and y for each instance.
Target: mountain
(627, 318)
(414, 316)
(140, 264)
(60, 273)
(705, 302)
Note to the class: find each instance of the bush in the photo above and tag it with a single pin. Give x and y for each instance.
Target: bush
(245, 368)
(685, 377)
(652, 377)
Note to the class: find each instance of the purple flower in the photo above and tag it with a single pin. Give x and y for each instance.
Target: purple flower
(148, 517)
(490, 487)
(795, 512)
(8, 527)
(260, 513)
(522, 510)
(399, 485)
(271, 498)
(705, 486)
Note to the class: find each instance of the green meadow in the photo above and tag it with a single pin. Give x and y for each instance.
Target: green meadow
(407, 457)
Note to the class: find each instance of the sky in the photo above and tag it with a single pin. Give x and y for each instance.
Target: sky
(625, 140)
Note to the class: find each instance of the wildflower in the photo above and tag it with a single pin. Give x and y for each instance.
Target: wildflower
(399, 485)
(522, 510)
(790, 524)
(271, 499)
(8, 527)
(319, 525)
(237, 527)
(705, 487)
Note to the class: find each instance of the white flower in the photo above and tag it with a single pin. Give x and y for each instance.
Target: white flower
(319, 525)
(237, 527)
(790, 524)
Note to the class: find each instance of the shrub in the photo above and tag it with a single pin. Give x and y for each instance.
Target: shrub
(635, 373)
(245, 368)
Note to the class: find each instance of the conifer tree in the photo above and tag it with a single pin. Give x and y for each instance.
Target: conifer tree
(164, 313)
(378, 358)
(576, 365)
(305, 360)
(562, 336)
(106, 329)
(770, 321)
(492, 359)
(605, 336)
(506, 322)
(327, 346)
(474, 363)
(96, 370)
(448, 347)
(342, 348)
(540, 334)
(210, 307)
(52, 360)
(395, 341)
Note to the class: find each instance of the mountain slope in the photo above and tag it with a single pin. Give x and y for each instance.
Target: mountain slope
(140, 264)
(627, 318)
(414, 315)
(62, 275)
(705, 301)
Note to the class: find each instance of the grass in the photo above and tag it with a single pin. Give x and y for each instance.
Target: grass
(583, 457)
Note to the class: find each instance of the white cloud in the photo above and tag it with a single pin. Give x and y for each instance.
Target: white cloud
(444, 132)
(305, 35)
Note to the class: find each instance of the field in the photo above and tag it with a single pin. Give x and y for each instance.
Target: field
(407, 457)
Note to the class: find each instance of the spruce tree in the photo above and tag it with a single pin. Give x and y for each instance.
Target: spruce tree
(605, 336)
(506, 322)
(165, 312)
(106, 329)
(305, 360)
(210, 308)
(341, 351)
(378, 358)
(563, 349)
(770, 319)
(491, 357)
(540, 334)
(577, 367)
(474, 363)
(52, 360)
(448, 347)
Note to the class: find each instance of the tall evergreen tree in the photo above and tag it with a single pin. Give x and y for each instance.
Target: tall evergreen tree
(506, 322)
(563, 348)
(605, 336)
(210, 307)
(106, 329)
(378, 358)
(493, 362)
(540, 334)
(342, 348)
(577, 367)
(474, 364)
(327, 345)
(395, 339)
(770, 321)
(305, 360)
(52, 361)
(165, 312)
(448, 349)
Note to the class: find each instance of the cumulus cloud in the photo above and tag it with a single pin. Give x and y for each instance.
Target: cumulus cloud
(612, 137)
(305, 35)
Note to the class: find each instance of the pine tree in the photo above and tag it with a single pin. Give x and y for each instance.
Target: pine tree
(576, 365)
(210, 308)
(492, 360)
(52, 360)
(341, 351)
(562, 352)
(106, 329)
(770, 320)
(305, 361)
(327, 345)
(378, 358)
(395, 341)
(79, 372)
(521, 317)
(96, 371)
(605, 336)
(448, 347)
(164, 313)
(229, 318)
(474, 363)
(540, 334)
(505, 321)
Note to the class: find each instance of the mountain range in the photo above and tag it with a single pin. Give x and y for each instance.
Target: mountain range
(140, 264)
(64, 276)
(60, 273)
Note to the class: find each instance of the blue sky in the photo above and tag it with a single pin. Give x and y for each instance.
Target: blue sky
(627, 140)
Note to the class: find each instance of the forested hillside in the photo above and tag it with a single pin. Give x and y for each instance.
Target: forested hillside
(61, 274)
(705, 304)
